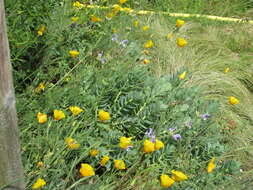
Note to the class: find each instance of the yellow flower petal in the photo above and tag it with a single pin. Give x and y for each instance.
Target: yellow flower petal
(74, 19)
(58, 115)
(158, 144)
(119, 164)
(103, 115)
(211, 165)
(71, 143)
(179, 23)
(178, 176)
(122, 1)
(226, 70)
(149, 44)
(145, 28)
(181, 42)
(75, 110)
(73, 53)
(93, 18)
(104, 160)
(233, 100)
(86, 170)
(148, 146)
(94, 152)
(125, 142)
(39, 183)
(41, 117)
(182, 76)
(166, 181)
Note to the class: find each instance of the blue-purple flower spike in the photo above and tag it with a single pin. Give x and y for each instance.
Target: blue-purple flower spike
(205, 116)
(177, 137)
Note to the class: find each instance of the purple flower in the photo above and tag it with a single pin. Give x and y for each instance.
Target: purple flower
(177, 137)
(172, 129)
(123, 43)
(129, 148)
(189, 124)
(153, 138)
(150, 134)
(115, 37)
(205, 116)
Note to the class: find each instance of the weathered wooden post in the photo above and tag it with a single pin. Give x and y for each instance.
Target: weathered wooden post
(11, 171)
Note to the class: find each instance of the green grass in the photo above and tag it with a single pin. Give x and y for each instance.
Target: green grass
(140, 97)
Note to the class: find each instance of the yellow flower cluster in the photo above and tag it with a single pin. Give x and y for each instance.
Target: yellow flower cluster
(39, 183)
(167, 181)
(58, 114)
(41, 30)
(149, 146)
(104, 115)
(71, 143)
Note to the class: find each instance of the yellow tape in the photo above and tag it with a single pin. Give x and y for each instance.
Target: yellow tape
(144, 12)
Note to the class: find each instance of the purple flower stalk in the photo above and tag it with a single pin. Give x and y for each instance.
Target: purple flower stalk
(150, 134)
(177, 137)
(205, 116)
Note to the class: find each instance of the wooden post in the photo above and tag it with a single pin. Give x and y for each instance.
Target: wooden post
(11, 171)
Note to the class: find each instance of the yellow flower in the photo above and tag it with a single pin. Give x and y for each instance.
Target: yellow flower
(182, 76)
(181, 42)
(73, 53)
(169, 36)
(39, 183)
(41, 30)
(226, 70)
(136, 23)
(74, 19)
(179, 23)
(116, 8)
(41, 117)
(146, 61)
(86, 170)
(166, 181)
(77, 4)
(103, 115)
(127, 10)
(122, 1)
(211, 165)
(125, 142)
(119, 164)
(40, 164)
(75, 110)
(233, 100)
(158, 144)
(71, 143)
(40, 87)
(93, 18)
(149, 44)
(94, 152)
(145, 28)
(178, 176)
(148, 146)
(104, 160)
(58, 115)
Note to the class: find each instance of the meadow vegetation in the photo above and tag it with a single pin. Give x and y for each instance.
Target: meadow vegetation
(108, 99)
